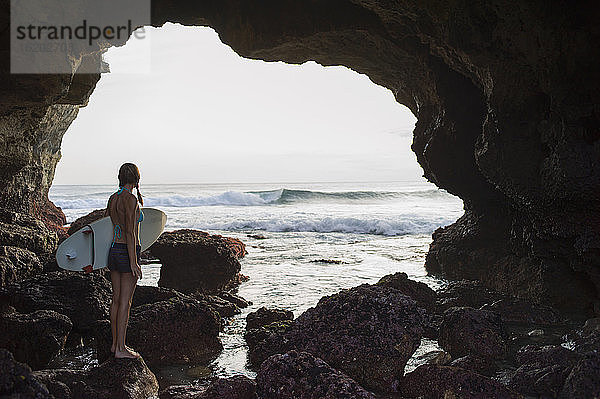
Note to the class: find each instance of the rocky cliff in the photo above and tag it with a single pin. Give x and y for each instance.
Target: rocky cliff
(508, 105)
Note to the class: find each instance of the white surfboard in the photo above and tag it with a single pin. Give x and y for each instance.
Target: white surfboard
(87, 248)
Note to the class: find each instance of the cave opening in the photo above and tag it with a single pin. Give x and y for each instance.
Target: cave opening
(317, 159)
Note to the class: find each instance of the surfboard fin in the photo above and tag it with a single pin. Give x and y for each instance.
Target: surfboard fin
(87, 269)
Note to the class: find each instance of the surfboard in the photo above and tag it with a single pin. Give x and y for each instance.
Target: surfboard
(87, 248)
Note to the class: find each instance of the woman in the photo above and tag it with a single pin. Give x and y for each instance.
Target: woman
(124, 254)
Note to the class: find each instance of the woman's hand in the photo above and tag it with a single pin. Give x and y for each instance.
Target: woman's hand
(136, 270)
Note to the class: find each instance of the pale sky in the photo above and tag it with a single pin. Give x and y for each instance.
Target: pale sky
(199, 113)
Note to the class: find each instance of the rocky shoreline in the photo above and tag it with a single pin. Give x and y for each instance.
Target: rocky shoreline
(355, 343)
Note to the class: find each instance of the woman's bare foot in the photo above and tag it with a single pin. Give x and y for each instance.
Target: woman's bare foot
(127, 353)
(113, 347)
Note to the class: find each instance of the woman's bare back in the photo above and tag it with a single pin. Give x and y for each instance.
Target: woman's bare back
(124, 211)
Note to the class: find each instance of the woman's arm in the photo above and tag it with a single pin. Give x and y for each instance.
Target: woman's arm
(107, 210)
(130, 222)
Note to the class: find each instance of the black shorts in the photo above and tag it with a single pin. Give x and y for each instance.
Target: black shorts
(118, 257)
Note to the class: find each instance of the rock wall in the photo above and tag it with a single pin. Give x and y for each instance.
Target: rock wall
(506, 96)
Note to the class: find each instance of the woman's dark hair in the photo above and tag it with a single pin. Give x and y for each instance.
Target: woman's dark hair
(130, 174)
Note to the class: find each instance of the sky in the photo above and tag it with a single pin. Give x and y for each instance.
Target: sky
(186, 108)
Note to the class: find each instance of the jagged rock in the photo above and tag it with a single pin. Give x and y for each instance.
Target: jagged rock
(340, 328)
(52, 216)
(235, 299)
(115, 378)
(465, 293)
(17, 264)
(83, 298)
(24, 231)
(49, 263)
(301, 375)
(176, 330)
(265, 340)
(478, 364)
(146, 294)
(418, 291)
(542, 371)
(435, 381)
(223, 307)
(487, 238)
(468, 331)
(86, 219)
(17, 380)
(34, 338)
(514, 310)
(235, 387)
(584, 379)
(197, 261)
(264, 316)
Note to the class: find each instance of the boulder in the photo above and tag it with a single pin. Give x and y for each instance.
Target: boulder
(17, 264)
(34, 338)
(115, 378)
(223, 307)
(146, 294)
(176, 330)
(436, 381)
(418, 291)
(468, 331)
(236, 387)
(83, 298)
(197, 261)
(584, 379)
(515, 310)
(467, 293)
(264, 316)
(341, 327)
(87, 219)
(17, 380)
(25, 231)
(265, 340)
(235, 299)
(301, 375)
(542, 370)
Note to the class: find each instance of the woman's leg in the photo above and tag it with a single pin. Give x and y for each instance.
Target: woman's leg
(128, 282)
(115, 279)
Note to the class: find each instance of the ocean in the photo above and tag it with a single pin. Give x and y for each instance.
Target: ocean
(372, 229)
